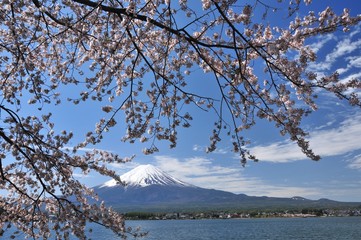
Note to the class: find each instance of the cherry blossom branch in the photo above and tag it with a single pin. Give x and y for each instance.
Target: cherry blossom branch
(139, 57)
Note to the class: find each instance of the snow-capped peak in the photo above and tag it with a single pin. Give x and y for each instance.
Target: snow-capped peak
(145, 175)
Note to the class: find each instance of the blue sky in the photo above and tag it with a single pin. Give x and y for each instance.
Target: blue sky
(283, 171)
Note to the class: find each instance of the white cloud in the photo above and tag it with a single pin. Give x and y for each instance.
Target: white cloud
(342, 70)
(196, 166)
(350, 77)
(355, 163)
(321, 41)
(356, 30)
(69, 148)
(123, 166)
(218, 150)
(204, 173)
(279, 152)
(327, 124)
(326, 142)
(341, 140)
(354, 61)
(81, 175)
(342, 49)
(197, 148)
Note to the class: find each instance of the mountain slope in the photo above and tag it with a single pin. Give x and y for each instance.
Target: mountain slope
(147, 185)
(150, 189)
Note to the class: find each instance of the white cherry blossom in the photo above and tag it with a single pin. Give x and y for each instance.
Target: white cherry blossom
(137, 58)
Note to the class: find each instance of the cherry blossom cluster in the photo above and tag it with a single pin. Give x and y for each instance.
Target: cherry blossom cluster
(139, 58)
(40, 182)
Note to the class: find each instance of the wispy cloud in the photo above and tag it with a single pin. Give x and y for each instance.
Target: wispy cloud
(354, 61)
(123, 167)
(199, 148)
(355, 162)
(350, 77)
(81, 175)
(326, 142)
(279, 152)
(188, 168)
(327, 124)
(321, 41)
(356, 30)
(70, 148)
(203, 172)
(343, 48)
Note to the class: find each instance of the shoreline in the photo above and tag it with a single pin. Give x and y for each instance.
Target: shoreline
(243, 215)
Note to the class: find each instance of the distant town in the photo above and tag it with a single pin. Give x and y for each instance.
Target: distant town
(251, 214)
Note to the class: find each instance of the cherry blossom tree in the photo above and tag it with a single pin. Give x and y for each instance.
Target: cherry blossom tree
(138, 57)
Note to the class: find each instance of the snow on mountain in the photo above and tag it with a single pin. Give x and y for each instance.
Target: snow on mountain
(146, 175)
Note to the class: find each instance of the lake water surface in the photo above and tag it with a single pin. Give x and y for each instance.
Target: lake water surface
(330, 228)
(337, 228)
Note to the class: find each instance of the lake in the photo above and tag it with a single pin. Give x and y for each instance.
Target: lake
(340, 228)
(272, 228)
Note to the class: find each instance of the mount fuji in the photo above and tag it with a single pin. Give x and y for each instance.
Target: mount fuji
(146, 175)
(147, 188)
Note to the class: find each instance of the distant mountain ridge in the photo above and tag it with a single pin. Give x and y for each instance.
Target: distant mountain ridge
(151, 189)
